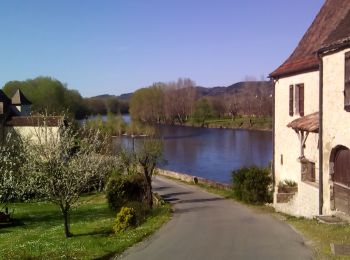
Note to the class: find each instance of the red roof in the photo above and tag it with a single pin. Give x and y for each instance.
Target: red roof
(50, 121)
(304, 57)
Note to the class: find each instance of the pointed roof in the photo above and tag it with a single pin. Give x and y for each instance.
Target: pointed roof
(19, 99)
(304, 57)
(4, 98)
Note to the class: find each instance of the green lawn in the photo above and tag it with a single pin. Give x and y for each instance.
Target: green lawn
(259, 123)
(39, 234)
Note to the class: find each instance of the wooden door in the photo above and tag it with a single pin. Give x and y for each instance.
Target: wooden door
(342, 181)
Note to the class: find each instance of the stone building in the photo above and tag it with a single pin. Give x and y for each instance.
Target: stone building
(15, 116)
(312, 118)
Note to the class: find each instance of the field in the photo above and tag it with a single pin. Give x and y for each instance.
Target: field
(38, 231)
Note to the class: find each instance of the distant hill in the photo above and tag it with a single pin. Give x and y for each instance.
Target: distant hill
(254, 87)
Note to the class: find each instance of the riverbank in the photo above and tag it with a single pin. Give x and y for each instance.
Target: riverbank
(245, 122)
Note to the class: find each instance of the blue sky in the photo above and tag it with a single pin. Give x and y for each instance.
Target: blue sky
(118, 46)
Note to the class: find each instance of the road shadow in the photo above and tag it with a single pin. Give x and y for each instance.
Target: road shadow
(189, 210)
(176, 194)
(200, 200)
(161, 188)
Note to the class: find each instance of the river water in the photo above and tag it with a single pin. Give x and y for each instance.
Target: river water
(212, 153)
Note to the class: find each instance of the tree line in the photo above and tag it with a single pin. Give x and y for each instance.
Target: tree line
(49, 95)
(177, 102)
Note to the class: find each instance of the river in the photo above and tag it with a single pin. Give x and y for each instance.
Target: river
(212, 153)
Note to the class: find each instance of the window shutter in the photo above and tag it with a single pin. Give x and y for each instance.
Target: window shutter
(291, 101)
(301, 99)
(347, 82)
(296, 101)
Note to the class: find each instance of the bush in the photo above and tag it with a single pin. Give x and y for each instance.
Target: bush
(141, 211)
(125, 219)
(122, 190)
(252, 185)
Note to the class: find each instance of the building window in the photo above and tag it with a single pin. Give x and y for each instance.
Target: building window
(296, 100)
(347, 83)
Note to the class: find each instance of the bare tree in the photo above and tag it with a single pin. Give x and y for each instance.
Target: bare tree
(180, 98)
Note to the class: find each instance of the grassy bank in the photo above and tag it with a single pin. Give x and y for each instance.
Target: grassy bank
(245, 122)
(319, 235)
(38, 232)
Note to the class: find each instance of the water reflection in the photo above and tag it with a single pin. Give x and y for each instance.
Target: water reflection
(212, 153)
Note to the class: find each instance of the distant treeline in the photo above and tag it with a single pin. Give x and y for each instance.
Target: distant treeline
(177, 102)
(52, 96)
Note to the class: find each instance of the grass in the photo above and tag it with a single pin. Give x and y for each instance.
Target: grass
(38, 232)
(322, 235)
(245, 122)
(319, 234)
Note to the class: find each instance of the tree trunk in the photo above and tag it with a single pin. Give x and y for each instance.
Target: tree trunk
(65, 213)
(148, 189)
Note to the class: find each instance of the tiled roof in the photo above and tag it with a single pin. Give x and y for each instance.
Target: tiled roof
(340, 36)
(308, 123)
(304, 57)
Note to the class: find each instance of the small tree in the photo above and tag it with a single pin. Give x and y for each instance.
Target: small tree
(202, 111)
(12, 185)
(62, 163)
(148, 154)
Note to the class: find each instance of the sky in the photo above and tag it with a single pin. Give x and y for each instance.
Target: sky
(118, 46)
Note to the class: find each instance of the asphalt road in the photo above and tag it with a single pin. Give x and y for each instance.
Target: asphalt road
(206, 226)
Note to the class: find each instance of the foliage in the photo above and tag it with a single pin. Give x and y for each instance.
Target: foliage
(203, 111)
(11, 176)
(141, 210)
(126, 218)
(146, 104)
(252, 184)
(104, 105)
(49, 95)
(113, 126)
(39, 235)
(61, 164)
(122, 190)
(136, 128)
(287, 183)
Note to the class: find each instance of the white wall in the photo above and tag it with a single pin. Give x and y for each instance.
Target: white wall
(336, 121)
(32, 133)
(287, 142)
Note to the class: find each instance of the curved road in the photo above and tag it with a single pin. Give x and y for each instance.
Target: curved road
(206, 226)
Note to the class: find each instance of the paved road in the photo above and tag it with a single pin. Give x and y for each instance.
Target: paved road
(205, 226)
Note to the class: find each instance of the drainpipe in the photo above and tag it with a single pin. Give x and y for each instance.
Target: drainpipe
(273, 136)
(320, 136)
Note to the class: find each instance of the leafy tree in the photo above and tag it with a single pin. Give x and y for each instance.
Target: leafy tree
(49, 95)
(12, 178)
(202, 111)
(62, 164)
(147, 104)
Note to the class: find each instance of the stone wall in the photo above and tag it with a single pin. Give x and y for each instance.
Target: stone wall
(192, 179)
(303, 204)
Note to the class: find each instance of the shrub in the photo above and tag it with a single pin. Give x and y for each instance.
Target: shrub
(141, 211)
(124, 189)
(252, 185)
(125, 219)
